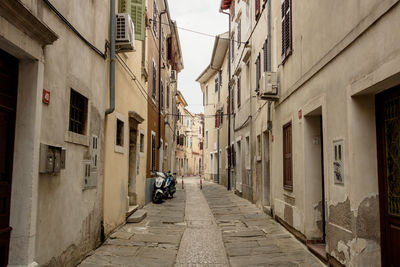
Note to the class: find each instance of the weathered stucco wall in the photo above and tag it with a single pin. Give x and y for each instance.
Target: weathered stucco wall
(64, 238)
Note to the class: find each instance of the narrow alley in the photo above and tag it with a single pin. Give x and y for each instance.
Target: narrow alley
(209, 227)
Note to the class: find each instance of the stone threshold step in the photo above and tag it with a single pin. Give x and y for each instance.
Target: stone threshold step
(131, 210)
(137, 216)
(319, 250)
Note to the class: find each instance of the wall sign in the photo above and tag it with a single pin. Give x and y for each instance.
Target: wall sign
(46, 96)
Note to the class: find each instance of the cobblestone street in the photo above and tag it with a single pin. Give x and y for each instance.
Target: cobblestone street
(212, 227)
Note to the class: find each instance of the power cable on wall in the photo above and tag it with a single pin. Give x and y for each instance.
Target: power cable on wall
(94, 48)
(197, 32)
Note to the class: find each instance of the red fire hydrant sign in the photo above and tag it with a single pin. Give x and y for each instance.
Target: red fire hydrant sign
(46, 96)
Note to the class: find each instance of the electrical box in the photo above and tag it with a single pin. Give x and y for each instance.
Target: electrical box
(51, 159)
(90, 166)
(338, 161)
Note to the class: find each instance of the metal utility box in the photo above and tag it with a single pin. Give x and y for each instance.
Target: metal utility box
(51, 159)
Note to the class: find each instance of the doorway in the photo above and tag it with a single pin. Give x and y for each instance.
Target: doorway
(133, 164)
(315, 182)
(388, 142)
(239, 167)
(266, 174)
(8, 100)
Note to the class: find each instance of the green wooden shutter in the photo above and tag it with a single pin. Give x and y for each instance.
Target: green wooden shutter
(136, 9)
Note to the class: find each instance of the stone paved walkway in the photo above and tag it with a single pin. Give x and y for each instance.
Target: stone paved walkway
(201, 244)
(152, 242)
(252, 238)
(212, 227)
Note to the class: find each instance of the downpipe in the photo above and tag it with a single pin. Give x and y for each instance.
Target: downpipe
(112, 58)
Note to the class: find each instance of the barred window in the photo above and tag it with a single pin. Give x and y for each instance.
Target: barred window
(77, 112)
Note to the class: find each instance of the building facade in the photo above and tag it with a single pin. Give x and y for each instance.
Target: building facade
(313, 119)
(164, 58)
(214, 85)
(52, 110)
(126, 127)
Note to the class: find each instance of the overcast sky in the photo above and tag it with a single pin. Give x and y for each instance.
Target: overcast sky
(202, 16)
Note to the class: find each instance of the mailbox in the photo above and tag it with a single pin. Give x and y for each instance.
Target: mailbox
(52, 159)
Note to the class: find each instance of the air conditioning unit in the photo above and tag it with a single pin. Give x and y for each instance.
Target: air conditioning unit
(173, 76)
(125, 35)
(269, 86)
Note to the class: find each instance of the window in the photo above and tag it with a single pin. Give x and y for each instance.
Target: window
(216, 84)
(77, 112)
(259, 146)
(227, 156)
(191, 142)
(287, 157)
(206, 139)
(162, 42)
(162, 96)
(258, 73)
(167, 96)
(239, 32)
(238, 92)
(286, 28)
(155, 12)
(258, 9)
(220, 77)
(142, 142)
(247, 151)
(137, 11)
(233, 99)
(177, 138)
(232, 49)
(154, 81)
(119, 137)
(207, 102)
(265, 50)
(153, 151)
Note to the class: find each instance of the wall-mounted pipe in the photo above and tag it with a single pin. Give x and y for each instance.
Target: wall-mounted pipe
(159, 78)
(112, 58)
(229, 98)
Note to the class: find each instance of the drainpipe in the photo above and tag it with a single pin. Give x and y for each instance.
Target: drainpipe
(159, 79)
(229, 98)
(112, 59)
(269, 66)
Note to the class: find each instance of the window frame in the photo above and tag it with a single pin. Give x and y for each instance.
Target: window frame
(155, 17)
(82, 110)
(154, 82)
(286, 28)
(287, 157)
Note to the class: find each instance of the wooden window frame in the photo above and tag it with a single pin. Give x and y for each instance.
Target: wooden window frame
(287, 165)
(287, 34)
(77, 112)
(258, 73)
(239, 33)
(155, 15)
(154, 82)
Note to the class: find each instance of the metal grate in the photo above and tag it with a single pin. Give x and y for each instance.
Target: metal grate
(121, 33)
(77, 112)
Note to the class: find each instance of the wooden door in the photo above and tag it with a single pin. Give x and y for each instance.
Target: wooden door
(388, 141)
(8, 97)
